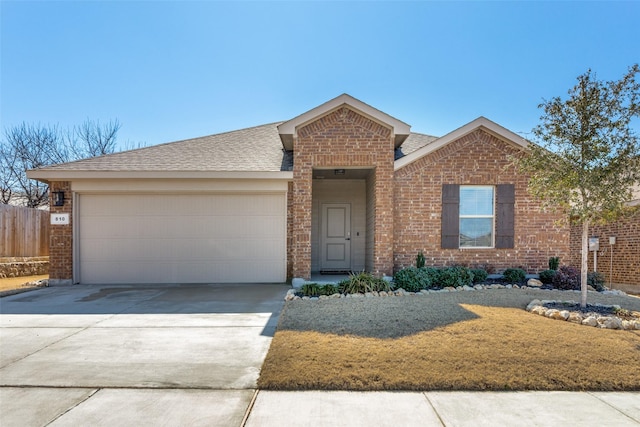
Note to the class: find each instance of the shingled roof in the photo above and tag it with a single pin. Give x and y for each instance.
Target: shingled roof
(255, 149)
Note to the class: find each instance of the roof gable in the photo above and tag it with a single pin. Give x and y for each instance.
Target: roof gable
(479, 123)
(287, 130)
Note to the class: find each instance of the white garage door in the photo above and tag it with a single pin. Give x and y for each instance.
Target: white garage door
(182, 238)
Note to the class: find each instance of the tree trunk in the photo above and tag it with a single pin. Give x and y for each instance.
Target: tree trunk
(583, 264)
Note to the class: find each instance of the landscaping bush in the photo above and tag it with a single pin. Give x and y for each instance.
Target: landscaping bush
(554, 262)
(315, 290)
(479, 275)
(567, 278)
(546, 276)
(420, 260)
(454, 277)
(514, 275)
(596, 280)
(310, 289)
(362, 283)
(412, 279)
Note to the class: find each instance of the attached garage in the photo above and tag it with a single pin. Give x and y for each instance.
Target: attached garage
(138, 238)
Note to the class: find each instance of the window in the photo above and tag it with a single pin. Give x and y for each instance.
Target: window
(476, 216)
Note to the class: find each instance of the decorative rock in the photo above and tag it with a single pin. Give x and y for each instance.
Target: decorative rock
(534, 283)
(533, 304)
(590, 321)
(297, 283)
(478, 287)
(450, 289)
(575, 317)
(551, 312)
(610, 322)
(468, 288)
(540, 310)
(628, 325)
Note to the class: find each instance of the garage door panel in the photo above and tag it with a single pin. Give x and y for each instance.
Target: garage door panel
(151, 238)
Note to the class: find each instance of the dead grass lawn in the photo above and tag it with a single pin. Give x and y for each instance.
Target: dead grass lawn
(501, 349)
(12, 283)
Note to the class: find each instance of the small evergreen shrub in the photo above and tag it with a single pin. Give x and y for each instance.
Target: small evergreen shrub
(554, 262)
(479, 275)
(455, 277)
(546, 276)
(567, 278)
(311, 290)
(330, 289)
(420, 260)
(362, 283)
(596, 280)
(412, 279)
(514, 275)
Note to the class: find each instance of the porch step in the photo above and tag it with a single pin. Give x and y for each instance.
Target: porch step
(334, 272)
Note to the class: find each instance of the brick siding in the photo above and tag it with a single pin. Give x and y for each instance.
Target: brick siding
(478, 158)
(626, 251)
(61, 236)
(342, 139)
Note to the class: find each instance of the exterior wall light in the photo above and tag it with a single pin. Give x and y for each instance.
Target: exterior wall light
(58, 198)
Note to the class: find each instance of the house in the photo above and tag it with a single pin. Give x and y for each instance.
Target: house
(617, 256)
(341, 187)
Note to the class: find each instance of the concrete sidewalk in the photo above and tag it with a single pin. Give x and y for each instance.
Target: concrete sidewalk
(314, 408)
(228, 408)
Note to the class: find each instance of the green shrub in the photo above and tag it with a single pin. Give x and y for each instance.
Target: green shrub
(362, 283)
(596, 280)
(412, 279)
(567, 278)
(514, 275)
(311, 290)
(546, 276)
(420, 260)
(455, 277)
(554, 262)
(315, 290)
(479, 275)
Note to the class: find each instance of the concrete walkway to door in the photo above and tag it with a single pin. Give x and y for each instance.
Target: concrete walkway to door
(104, 355)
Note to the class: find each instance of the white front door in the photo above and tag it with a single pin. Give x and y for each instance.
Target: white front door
(336, 236)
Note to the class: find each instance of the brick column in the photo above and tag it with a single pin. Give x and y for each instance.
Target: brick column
(61, 238)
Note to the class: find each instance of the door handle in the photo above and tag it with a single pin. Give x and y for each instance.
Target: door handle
(347, 238)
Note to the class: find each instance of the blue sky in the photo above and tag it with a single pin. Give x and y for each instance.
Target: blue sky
(170, 70)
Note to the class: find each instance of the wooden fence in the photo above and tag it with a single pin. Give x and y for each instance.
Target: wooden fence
(24, 232)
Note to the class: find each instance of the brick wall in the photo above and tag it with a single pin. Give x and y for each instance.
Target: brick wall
(61, 237)
(342, 139)
(625, 254)
(475, 159)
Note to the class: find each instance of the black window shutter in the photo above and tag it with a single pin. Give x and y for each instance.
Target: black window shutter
(450, 234)
(505, 212)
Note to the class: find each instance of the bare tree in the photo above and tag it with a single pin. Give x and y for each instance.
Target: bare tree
(92, 139)
(29, 146)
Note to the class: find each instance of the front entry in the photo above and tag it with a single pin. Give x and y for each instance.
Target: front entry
(335, 232)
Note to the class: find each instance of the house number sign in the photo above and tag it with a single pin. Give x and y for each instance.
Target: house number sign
(60, 219)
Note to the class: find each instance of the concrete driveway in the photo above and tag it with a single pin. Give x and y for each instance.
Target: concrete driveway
(134, 355)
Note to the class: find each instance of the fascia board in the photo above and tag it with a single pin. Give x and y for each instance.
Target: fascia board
(481, 122)
(69, 175)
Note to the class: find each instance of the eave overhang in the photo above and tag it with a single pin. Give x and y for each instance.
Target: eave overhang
(47, 175)
(479, 123)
